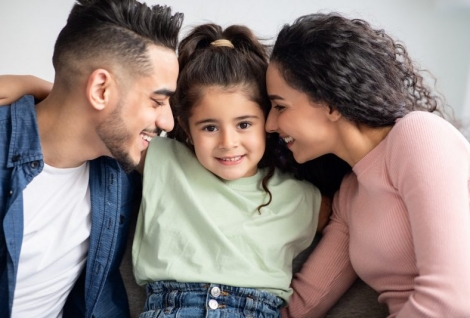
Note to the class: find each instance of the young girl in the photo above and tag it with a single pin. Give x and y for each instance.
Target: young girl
(219, 225)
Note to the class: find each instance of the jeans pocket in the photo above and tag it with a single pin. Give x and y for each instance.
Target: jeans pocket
(155, 313)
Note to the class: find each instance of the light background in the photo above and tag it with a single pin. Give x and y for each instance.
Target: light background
(436, 32)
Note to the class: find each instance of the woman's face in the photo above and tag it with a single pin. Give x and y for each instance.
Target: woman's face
(309, 129)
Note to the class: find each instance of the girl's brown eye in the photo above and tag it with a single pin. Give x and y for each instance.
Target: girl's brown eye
(244, 125)
(209, 128)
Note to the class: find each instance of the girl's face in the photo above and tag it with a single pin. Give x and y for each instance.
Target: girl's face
(308, 128)
(227, 130)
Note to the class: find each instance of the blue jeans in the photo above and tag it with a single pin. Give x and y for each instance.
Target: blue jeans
(198, 300)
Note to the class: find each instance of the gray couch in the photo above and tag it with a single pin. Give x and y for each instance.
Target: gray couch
(359, 302)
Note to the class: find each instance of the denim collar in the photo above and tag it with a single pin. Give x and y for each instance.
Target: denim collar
(25, 145)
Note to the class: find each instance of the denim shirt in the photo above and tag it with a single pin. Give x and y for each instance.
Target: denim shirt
(99, 291)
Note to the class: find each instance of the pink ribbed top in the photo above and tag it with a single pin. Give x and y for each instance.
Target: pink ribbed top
(401, 221)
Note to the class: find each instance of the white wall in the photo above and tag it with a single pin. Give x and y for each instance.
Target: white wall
(436, 32)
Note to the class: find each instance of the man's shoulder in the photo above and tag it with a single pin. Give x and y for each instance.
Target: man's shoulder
(18, 108)
(25, 101)
(18, 124)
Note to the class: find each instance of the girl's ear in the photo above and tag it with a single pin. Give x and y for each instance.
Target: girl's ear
(99, 87)
(182, 124)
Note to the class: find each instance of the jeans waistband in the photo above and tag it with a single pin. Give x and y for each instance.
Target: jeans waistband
(217, 291)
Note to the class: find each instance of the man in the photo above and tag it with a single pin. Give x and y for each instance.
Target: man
(65, 199)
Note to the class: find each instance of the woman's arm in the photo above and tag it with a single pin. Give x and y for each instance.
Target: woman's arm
(325, 213)
(13, 87)
(430, 167)
(327, 273)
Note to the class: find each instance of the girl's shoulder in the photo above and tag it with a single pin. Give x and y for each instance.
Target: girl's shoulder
(287, 181)
(168, 147)
(167, 153)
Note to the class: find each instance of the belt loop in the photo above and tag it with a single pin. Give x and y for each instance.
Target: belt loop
(250, 307)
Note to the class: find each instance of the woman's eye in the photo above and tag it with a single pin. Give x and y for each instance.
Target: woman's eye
(278, 107)
(244, 125)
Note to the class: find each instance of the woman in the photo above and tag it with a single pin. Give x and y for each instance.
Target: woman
(401, 218)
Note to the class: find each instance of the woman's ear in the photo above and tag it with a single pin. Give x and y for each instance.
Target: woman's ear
(98, 89)
(333, 113)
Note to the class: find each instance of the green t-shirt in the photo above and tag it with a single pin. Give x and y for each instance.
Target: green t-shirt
(195, 227)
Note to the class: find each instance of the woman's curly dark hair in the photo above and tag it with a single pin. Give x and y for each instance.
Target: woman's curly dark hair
(351, 67)
(360, 71)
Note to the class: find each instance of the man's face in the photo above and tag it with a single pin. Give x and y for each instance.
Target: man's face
(142, 110)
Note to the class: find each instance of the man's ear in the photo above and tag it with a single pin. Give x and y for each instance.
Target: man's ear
(99, 87)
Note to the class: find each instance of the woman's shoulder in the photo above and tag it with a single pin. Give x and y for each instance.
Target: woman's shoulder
(420, 127)
(421, 122)
(423, 137)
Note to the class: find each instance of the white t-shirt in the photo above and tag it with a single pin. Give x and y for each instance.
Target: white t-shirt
(57, 225)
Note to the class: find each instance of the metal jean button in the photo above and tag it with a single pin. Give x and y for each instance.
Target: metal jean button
(213, 304)
(215, 292)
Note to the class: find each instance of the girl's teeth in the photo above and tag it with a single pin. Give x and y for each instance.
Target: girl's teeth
(288, 139)
(232, 159)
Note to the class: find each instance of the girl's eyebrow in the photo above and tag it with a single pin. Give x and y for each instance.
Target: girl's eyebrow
(211, 120)
(246, 117)
(205, 121)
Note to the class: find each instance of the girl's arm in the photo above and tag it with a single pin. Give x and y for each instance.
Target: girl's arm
(13, 87)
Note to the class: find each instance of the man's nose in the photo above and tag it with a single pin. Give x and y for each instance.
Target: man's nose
(164, 120)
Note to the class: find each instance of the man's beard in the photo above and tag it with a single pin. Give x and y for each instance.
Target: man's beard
(114, 135)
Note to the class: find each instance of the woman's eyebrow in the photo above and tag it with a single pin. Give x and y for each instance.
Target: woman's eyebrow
(274, 97)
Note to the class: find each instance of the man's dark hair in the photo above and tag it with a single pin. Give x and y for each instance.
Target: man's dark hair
(100, 32)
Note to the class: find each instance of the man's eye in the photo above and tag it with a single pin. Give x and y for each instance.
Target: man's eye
(158, 103)
(278, 107)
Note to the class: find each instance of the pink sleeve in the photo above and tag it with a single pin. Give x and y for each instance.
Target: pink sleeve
(429, 166)
(326, 275)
